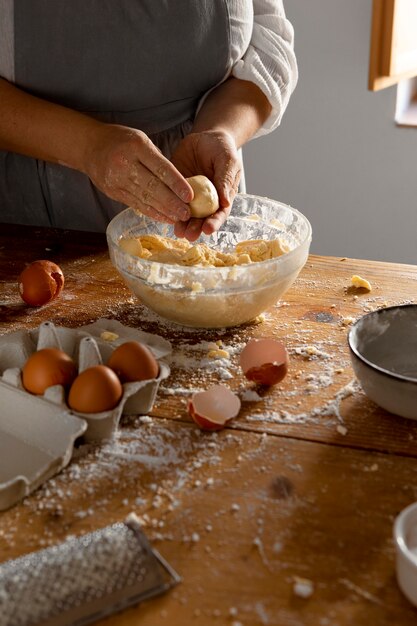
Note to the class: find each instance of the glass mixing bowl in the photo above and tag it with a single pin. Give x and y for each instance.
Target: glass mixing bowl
(215, 297)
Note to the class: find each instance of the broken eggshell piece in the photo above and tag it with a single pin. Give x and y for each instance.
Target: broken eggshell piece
(40, 282)
(211, 409)
(264, 361)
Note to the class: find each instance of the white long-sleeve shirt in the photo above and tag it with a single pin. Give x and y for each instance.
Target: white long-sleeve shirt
(262, 52)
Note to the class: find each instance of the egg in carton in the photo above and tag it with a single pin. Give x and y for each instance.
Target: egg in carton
(88, 346)
(37, 433)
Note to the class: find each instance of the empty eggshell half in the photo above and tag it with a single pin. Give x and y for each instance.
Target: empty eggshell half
(211, 409)
(264, 361)
(206, 200)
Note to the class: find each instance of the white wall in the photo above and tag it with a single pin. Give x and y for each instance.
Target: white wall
(338, 156)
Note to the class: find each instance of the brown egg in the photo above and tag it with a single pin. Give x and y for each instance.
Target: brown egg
(95, 390)
(264, 361)
(40, 282)
(48, 367)
(133, 361)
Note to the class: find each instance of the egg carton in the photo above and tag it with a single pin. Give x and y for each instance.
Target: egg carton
(37, 433)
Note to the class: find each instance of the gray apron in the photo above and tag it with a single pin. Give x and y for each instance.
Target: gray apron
(140, 63)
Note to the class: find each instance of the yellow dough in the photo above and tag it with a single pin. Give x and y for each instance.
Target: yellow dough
(182, 252)
(359, 282)
(206, 200)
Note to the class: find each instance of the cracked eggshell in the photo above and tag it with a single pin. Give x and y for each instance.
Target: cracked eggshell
(264, 361)
(40, 282)
(211, 409)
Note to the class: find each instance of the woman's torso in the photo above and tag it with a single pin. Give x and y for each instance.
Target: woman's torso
(141, 63)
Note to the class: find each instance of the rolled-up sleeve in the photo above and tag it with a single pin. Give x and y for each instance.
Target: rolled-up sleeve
(269, 61)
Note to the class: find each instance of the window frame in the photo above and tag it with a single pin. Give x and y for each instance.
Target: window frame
(385, 37)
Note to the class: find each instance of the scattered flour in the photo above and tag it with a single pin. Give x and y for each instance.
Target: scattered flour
(249, 395)
(141, 449)
(311, 351)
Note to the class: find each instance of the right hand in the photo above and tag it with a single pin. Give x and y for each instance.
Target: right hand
(124, 164)
(214, 154)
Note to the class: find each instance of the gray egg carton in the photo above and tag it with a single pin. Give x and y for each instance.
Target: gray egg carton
(37, 433)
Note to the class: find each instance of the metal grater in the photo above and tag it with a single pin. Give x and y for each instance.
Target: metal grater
(83, 579)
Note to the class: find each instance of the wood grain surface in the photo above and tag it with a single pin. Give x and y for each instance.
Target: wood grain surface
(304, 484)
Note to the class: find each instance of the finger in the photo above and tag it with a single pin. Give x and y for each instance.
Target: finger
(142, 209)
(163, 169)
(151, 190)
(179, 229)
(227, 183)
(153, 214)
(212, 224)
(193, 229)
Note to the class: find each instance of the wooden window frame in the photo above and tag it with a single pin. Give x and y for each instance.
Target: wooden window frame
(385, 39)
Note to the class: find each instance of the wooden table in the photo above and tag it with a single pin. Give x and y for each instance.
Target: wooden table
(304, 484)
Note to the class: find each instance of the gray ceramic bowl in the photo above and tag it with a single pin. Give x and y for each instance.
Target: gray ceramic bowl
(383, 350)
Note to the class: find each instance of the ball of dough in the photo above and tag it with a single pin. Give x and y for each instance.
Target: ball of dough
(206, 200)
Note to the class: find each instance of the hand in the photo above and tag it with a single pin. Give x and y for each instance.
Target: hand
(128, 167)
(214, 154)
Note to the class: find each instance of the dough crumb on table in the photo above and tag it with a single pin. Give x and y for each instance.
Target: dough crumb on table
(360, 283)
(303, 587)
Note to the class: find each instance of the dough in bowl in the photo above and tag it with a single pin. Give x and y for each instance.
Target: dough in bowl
(206, 200)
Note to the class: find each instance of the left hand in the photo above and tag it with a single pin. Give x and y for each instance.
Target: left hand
(214, 154)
